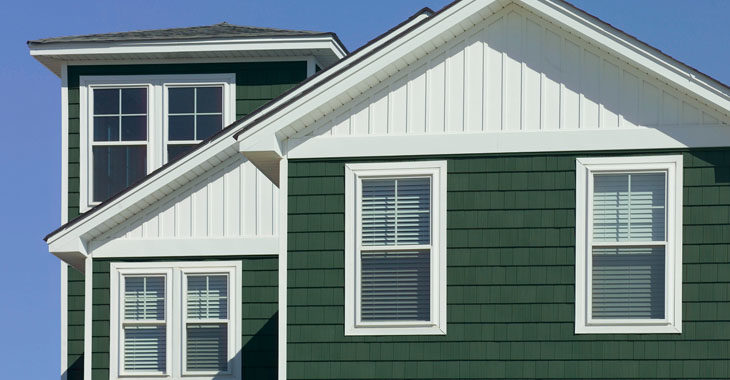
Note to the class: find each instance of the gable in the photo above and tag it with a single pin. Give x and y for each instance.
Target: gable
(512, 72)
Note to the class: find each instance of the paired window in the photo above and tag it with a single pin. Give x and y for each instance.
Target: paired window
(135, 124)
(149, 339)
(628, 244)
(395, 277)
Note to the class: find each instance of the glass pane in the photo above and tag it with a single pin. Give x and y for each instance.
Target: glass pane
(210, 100)
(395, 286)
(208, 125)
(117, 167)
(144, 297)
(629, 207)
(145, 348)
(181, 128)
(134, 128)
(378, 212)
(396, 211)
(106, 128)
(628, 283)
(181, 100)
(134, 101)
(207, 296)
(207, 347)
(106, 101)
(176, 151)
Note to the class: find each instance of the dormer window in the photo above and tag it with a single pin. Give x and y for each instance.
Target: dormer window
(132, 125)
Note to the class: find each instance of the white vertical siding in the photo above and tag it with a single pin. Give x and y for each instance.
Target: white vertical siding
(513, 72)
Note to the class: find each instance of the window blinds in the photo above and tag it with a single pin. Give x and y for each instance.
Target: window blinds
(207, 323)
(628, 278)
(395, 283)
(144, 325)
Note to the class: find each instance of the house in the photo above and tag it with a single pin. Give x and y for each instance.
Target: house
(500, 189)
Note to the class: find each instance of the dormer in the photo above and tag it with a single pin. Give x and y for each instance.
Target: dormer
(134, 101)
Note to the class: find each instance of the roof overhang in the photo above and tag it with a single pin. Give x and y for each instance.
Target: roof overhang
(325, 48)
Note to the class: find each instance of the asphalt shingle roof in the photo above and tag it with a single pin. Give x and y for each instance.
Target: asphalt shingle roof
(222, 30)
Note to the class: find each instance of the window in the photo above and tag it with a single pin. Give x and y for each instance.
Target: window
(135, 124)
(202, 341)
(629, 244)
(395, 256)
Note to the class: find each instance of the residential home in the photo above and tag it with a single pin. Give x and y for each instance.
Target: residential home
(500, 189)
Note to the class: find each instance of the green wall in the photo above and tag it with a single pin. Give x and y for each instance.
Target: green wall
(259, 307)
(510, 224)
(256, 84)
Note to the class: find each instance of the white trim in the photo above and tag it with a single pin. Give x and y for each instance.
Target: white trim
(283, 266)
(119, 248)
(585, 167)
(88, 310)
(156, 117)
(64, 143)
(175, 272)
(354, 173)
(64, 320)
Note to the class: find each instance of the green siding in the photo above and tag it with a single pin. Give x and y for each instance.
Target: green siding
(259, 296)
(510, 280)
(75, 325)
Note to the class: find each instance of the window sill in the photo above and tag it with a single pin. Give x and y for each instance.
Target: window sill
(429, 329)
(661, 328)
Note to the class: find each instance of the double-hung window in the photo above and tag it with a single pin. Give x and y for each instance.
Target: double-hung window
(131, 125)
(395, 257)
(177, 320)
(628, 244)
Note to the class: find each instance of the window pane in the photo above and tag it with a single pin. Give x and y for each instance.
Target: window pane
(144, 297)
(207, 347)
(395, 286)
(145, 349)
(134, 128)
(181, 128)
(629, 207)
(396, 211)
(106, 101)
(210, 100)
(117, 167)
(134, 101)
(106, 128)
(207, 297)
(176, 151)
(628, 283)
(181, 100)
(208, 125)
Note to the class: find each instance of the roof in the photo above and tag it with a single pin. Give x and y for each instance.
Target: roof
(221, 30)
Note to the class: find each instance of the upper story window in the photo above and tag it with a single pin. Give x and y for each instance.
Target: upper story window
(395, 257)
(629, 245)
(131, 125)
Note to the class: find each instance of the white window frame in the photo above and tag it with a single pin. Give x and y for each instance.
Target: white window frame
(354, 174)
(585, 170)
(175, 304)
(156, 116)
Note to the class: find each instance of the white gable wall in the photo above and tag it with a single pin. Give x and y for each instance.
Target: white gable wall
(514, 72)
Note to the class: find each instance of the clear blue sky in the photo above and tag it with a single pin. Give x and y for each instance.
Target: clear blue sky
(693, 31)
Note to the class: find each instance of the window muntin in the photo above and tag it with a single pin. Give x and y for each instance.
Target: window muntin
(193, 115)
(395, 270)
(628, 239)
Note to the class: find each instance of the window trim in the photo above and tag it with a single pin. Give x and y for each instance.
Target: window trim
(585, 169)
(156, 116)
(175, 300)
(354, 173)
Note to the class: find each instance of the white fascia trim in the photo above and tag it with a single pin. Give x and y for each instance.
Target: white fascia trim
(129, 248)
(283, 268)
(673, 165)
(681, 76)
(437, 170)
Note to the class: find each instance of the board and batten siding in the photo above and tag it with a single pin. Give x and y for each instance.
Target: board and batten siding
(510, 265)
(259, 307)
(513, 72)
(256, 84)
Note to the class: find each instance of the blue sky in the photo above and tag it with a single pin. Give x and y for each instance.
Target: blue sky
(695, 32)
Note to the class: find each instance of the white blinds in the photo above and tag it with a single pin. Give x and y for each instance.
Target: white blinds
(207, 326)
(144, 324)
(628, 279)
(395, 282)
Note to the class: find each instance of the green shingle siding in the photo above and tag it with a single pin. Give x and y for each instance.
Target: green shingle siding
(511, 255)
(75, 325)
(259, 296)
